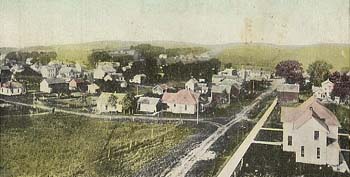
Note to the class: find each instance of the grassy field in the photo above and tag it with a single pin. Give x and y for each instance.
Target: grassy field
(78, 53)
(269, 55)
(65, 145)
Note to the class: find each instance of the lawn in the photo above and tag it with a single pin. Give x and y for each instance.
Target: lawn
(268, 56)
(66, 145)
(271, 161)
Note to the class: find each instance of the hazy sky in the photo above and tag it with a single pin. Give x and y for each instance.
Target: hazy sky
(42, 22)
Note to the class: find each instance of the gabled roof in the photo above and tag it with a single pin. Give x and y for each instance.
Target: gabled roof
(293, 88)
(55, 80)
(148, 100)
(161, 86)
(311, 108)
(192, 80)
(327, 82)
(183, 96)
(11, 84)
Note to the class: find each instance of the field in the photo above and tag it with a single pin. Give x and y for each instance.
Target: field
(65, 145)
(78, 53)
(264, 55)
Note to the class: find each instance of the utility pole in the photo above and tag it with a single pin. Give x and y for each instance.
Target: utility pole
(197, 110)
(137, 89)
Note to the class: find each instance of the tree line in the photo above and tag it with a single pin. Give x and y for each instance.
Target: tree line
(41, 57)
(318, 71)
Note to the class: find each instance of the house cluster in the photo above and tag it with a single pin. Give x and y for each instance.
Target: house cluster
(311, 132)
(126, 52)
(8, 84)
(189, 58)
(324, 92)
(192, 98)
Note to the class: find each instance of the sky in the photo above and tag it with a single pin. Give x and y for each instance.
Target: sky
(284, 22)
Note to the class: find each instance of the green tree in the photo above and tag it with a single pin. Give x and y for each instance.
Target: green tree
(319, 71)
(113, 100)
(291, 70)
(129, 103)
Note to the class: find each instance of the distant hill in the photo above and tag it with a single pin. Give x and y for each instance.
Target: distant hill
(266, 55)
(80, 52)
(260, 55)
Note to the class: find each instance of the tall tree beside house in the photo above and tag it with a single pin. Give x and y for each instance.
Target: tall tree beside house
(319, 71)
(98, 56)
(291, 70)
(113, 100)
(129, 103)
(341, 85)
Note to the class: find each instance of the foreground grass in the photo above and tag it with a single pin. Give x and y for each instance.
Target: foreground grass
(65, 145)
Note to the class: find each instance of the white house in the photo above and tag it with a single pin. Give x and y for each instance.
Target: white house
(11, 88)
(93, 88)
(311, 131)
(183, 102)
(197, 86)
(160, 89)
(138, 79)
(324, 92)
(103, 69)
(110, 102)
(114, 77)
(163, 56)
(148, 104)
(49, 71)
(192, 84)
(54, 85)
(69, 72)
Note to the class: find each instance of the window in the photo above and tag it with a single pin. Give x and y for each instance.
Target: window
(185, 107)
(174, 105)
(318, 153)
(316, 135)
(290, 139)
(302, 151)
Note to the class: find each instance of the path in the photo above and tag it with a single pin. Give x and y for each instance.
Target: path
(186, 163)
(231, 165)
(108, 117)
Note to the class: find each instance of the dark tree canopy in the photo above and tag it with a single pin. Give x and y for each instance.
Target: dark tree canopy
(319, 71)
(99, 56)
(291, 70)
(341, 85)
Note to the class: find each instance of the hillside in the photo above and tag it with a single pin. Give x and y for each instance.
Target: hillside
(80, 52)
(264, 55)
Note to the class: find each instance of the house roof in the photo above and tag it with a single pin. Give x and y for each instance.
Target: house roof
(148, 100)
(11, 84)
(327, 82)
(55, 80)
(80, 81)
(220, 88)
(294, 88)
(104, 97)
(183, 96)
(311, 108)
(106, 68)
(192, 80)
(161, 86)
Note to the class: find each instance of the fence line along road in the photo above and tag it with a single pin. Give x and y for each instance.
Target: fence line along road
(231, 165)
